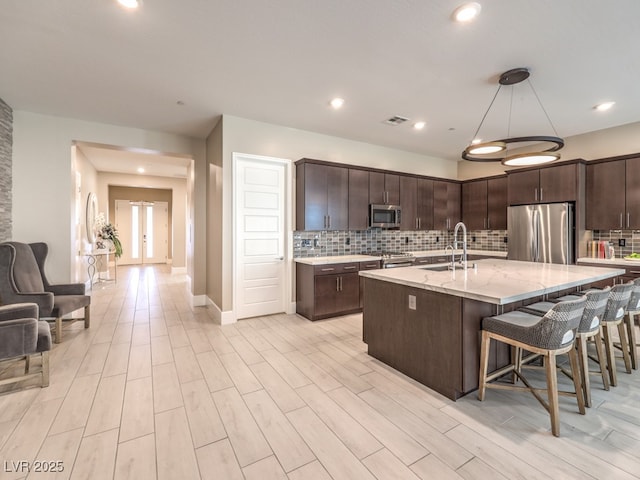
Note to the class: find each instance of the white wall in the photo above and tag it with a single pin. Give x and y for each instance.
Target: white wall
(80, 243)
(178, 189)
(611, 142)
(251, 137)
(43, 196)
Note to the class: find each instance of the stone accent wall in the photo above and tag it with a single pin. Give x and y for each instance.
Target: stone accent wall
(6, 145)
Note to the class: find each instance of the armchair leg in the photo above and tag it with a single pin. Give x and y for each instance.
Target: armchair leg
(87, 316)
(58, 337)
(45, 369)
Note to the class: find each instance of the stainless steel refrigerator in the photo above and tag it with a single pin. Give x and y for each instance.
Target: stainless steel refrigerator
(541, 233)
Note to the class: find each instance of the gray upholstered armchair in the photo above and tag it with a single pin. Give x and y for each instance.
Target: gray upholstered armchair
(22, 279)
(22, 335)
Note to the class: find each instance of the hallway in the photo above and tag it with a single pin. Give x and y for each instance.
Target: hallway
(154, 389)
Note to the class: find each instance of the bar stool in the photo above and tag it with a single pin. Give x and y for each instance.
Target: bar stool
(633, 309)
(589, 328)
(550, 335)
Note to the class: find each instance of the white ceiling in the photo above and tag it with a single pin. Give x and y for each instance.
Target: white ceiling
(280, 61)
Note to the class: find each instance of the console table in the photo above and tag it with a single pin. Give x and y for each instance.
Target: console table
(96, 260)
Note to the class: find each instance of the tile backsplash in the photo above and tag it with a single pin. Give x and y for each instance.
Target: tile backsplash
(631, 240)
(348, 242)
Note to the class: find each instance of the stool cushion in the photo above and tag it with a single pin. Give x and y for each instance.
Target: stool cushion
(542, 307)
(552, 331)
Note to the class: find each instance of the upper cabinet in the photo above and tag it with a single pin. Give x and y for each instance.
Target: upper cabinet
(446, 204)
(322, 197)
(557, 183)
(484, 204)
(613, 195)
(424, 206)
(409, 203)
(384, 188)
(358, 199)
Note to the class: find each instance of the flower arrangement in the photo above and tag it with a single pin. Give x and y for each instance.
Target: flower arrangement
(106, 231)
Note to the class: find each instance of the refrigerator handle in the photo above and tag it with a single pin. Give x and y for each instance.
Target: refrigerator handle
(536, 240)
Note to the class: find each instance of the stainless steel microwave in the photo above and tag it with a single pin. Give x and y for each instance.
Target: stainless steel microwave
(385, 216)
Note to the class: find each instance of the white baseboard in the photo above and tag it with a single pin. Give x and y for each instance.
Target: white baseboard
(220, 317)
(178, 270)
(198, 300)
(292, 308)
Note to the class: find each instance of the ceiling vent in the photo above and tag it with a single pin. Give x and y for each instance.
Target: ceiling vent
(395, 120)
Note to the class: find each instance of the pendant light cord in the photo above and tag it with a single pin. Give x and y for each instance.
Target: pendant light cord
(542, 107)
(475, 135)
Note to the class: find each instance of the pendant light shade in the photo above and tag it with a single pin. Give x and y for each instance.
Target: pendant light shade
(498, 150)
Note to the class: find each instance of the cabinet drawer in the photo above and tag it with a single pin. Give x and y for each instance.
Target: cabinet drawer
(422, 261)
(371, 265)
(332, 268)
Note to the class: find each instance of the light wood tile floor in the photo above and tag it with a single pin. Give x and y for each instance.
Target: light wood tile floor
(155, 390)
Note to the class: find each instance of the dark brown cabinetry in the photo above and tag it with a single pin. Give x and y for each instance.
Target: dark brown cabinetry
(371, 265)
(613, 195)
(324, 291)
(409, 203)
(424, 205)
(322, 193)
(446, 205)
(543, 185)
(358, 199)
(384, 188)
(484, 204)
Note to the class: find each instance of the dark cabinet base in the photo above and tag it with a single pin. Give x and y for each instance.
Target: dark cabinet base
(437, 344)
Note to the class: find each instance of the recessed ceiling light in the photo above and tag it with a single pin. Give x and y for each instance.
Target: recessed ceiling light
(337, 103)
(419, 125)
(130, 3)
(602, 107)
(467, 12)
(140, 170)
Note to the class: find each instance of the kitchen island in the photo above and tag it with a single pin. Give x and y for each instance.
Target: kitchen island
(426, 323)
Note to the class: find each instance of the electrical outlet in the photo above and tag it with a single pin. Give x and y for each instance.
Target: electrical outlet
(347, 241)
(412, 302)
(622, 242)
(473, 239)
(505, 239)
(406, 239)
(437, 239)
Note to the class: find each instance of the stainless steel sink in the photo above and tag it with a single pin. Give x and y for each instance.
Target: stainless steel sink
(437, 268)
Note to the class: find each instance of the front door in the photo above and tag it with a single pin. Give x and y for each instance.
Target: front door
(143, 231)
(260, 191)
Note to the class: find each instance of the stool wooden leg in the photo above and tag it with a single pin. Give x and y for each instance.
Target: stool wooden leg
(631, 337)
(552, 392)
(602, 360)
(484, 364)
(583, 357)
(611, 360)
(624, 346)
(577, 378)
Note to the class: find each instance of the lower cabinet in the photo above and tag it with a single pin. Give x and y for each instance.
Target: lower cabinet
(324, 291)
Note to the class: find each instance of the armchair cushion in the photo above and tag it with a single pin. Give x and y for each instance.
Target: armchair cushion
(69, 303)
(26, 273)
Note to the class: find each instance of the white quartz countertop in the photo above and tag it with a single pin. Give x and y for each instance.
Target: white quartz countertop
(365, 258)
(610, 262)
(497, 281)
(336, 259)
(441, 252)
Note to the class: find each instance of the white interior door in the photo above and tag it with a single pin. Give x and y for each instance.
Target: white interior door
(260, 192)
(143, 228)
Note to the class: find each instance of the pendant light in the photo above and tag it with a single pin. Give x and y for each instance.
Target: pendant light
(497, 150)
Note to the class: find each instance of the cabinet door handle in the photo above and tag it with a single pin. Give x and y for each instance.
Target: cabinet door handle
(351, 267)
(628, 219)
(535, 194)
(620, 219)
(485, 223)
(337, 284)
(328, 221)
(329, 269)
(488, 223)
(419, 223)
(541, 192)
